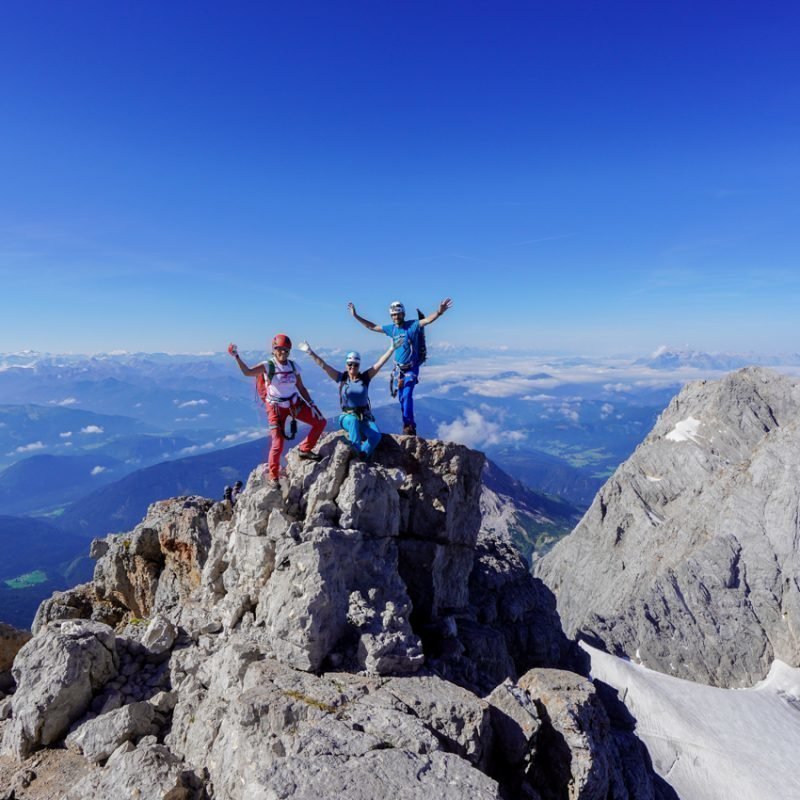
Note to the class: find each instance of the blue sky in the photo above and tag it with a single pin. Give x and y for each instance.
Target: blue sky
(591, 177)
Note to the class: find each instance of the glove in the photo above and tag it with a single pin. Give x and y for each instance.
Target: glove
(304, 346)
(233, 350)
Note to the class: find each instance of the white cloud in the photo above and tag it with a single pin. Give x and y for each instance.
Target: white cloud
(569, 413)
(30, 448)
(616, 387)
(92, 429)
(195, 448)
(474, 430)
(191, 403)
(606, 410)
(68, 401)
(65, 434)
(202, 416)
(67, 444)
(97, 470)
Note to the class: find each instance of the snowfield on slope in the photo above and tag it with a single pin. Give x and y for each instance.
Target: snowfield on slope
(710, 743)
(685, 431)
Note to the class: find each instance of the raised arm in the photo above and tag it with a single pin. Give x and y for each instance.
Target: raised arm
(443, 306)
(370, 326)
(329, 370)
(250, 372)
(375, 368)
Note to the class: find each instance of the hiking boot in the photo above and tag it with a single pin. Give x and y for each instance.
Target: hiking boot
(274, 483)
(309, 455)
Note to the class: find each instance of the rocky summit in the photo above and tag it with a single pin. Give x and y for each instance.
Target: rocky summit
(354, 633)
(687, 560)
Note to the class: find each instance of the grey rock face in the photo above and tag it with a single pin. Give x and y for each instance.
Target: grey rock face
(687, 557)
(147, 771)
(573, 721)
(261, 728)
(57, 672)
(229, 616)
(98, 738)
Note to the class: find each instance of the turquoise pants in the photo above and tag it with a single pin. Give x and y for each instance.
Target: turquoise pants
(362, 433)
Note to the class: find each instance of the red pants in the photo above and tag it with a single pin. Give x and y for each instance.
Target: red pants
(277, 419)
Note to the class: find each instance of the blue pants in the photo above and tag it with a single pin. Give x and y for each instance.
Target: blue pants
(406, 395)
(362, 433)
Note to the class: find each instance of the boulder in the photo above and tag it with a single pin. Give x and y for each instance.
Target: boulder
(98, 738)
(57, 673)
(147, 771)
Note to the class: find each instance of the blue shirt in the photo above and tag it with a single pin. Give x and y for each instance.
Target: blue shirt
(407, 354)
(353, 394)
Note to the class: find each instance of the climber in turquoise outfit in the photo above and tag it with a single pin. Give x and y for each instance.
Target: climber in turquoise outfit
(356, 417)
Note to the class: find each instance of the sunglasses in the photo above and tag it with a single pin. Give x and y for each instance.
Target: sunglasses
(281, 349)
(353, 363)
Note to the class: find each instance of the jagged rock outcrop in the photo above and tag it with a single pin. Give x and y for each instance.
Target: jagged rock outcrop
(687, 559)
(331, 638)
(57, 675)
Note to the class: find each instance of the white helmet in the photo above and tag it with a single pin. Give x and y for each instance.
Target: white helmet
(397, 308)
(352, 358)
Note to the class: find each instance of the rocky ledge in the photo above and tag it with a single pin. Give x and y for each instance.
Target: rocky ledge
(354, 633)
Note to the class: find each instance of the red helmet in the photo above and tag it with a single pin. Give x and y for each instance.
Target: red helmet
(282, 340)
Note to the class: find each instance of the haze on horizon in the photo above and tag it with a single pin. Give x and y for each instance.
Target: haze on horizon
(579, 178)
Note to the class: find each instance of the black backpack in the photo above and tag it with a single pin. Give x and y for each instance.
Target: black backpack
(422, 347)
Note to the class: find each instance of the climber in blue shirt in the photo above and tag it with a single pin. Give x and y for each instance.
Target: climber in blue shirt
(356, 417)
(407, 358)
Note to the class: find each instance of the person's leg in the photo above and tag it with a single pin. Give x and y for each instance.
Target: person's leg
(305, 414)
(350, 424)
(371, 436)
(406, 395)
(276, 415)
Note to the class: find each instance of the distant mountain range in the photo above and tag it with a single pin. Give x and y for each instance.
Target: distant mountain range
(669, 359)
(38, 559)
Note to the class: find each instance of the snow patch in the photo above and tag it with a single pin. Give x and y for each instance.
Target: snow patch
(685, 431)
(97, 470)
(710, 743)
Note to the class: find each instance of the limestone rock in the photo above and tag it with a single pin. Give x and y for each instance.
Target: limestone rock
(147, 771)
(685, 558)
(265, 730)
(56, 673)
(98, 738)
(378, 573)
(159, 636)
(515, 722)
(308, 607)
(80, 602)
(575, 723)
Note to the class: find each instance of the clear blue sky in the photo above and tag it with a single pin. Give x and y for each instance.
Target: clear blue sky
(593, 176)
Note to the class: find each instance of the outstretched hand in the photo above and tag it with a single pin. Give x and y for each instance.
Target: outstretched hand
(304, 346)
(351, 308)
(445, 304)
(233, 350)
